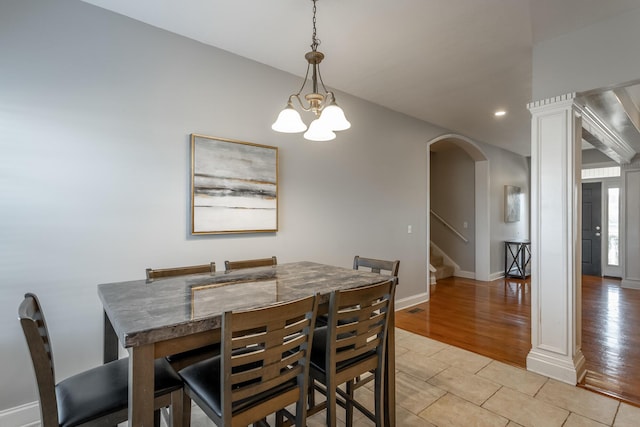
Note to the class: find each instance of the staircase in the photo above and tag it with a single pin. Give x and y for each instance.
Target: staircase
(442, 270)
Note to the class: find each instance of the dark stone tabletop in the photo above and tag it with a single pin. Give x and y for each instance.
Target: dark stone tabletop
(145, 311)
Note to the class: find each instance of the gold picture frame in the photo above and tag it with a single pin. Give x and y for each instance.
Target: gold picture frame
(234, 186)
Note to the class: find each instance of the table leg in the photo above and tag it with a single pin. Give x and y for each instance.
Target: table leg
(141, 385)
(110, 342)
(390, 371)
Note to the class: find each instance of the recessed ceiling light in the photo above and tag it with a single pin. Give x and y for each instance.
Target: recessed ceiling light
(500, 113)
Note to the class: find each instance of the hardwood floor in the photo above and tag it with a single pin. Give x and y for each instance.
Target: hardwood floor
(610, 338)
(494, 319)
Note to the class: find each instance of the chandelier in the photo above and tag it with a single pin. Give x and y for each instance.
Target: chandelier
(329, 117)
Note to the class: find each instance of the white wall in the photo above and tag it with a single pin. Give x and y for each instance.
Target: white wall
(604, 54)
(95, 115)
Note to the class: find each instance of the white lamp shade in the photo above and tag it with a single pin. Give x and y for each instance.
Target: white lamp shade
(333, 117)
(289, 121)
(318, 132)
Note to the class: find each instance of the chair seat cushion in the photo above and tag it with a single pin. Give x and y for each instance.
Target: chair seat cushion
(104, 390)
(203, 379)
(319, 352)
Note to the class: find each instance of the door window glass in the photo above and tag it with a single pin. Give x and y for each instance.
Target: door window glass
(613, 214)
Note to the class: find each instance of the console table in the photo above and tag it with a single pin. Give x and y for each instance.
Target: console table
(517, 256)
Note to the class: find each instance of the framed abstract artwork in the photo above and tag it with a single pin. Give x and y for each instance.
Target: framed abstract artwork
(234, 186)
(511, 203)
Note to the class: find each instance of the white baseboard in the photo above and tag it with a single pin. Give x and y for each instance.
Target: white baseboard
(497, 275)
(464, 274)
(27, 415)
(403, 303)
(630, 283)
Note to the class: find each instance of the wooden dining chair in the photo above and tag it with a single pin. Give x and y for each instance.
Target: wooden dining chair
(249, 263)
(98, 396)
(352, 344)
(379, 266)
(263, 366)
(163, 273)
(180, 360)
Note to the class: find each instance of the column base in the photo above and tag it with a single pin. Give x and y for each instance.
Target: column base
(560, 368)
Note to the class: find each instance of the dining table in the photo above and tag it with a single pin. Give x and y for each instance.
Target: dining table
(157, 318)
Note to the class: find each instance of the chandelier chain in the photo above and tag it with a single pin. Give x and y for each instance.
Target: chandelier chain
(315, 42)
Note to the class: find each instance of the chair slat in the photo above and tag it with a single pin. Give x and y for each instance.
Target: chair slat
(250, 263)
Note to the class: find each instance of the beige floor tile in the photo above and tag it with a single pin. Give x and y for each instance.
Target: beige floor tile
(401, 334)
(400, 350)
(580, 401)
(414, 394)
(627, 416)
(513, 424)
(404, 418)
(465, 385)
(525, 410)
(422, 345)
(462, 359)
(576, 420)
(419, 366)
(452, 411)
(516, 378)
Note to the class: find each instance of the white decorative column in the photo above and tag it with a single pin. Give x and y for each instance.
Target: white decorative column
(556, 258)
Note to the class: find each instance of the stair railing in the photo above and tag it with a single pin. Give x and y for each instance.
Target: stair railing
(449, 226)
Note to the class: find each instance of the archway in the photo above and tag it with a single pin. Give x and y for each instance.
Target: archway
(481, 190)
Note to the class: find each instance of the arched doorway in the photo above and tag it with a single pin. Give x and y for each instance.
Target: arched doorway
(481, 191)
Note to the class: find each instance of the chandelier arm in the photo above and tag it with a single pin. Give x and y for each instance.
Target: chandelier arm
(304, 82)
(297, 96)
(327, 92)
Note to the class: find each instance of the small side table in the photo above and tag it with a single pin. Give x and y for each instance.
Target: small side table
(517, 256)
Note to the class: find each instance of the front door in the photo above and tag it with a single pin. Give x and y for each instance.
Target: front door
(591, 228)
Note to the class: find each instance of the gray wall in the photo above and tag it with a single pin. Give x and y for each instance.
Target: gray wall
(95, 115)
(593, 156)
(506, 168)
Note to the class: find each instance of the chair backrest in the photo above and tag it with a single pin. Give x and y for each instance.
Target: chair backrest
(263, 349)
(35, 331)
(358, 320)
(163, 273)
(377, 265)
(250, 263)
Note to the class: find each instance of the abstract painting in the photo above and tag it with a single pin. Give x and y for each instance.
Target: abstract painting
(511, 203)
(234, 186)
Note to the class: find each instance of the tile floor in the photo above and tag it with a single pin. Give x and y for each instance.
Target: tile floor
(441, 385)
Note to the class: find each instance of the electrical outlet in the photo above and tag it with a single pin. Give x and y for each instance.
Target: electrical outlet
(409, 229)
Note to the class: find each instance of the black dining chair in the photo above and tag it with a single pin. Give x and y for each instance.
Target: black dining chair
(98, 396)
(263, 366)
(250, 263)
(352, 344)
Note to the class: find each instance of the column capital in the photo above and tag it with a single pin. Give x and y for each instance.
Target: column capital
(559, 100)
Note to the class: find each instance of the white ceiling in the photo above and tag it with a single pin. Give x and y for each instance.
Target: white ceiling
(448, 62)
